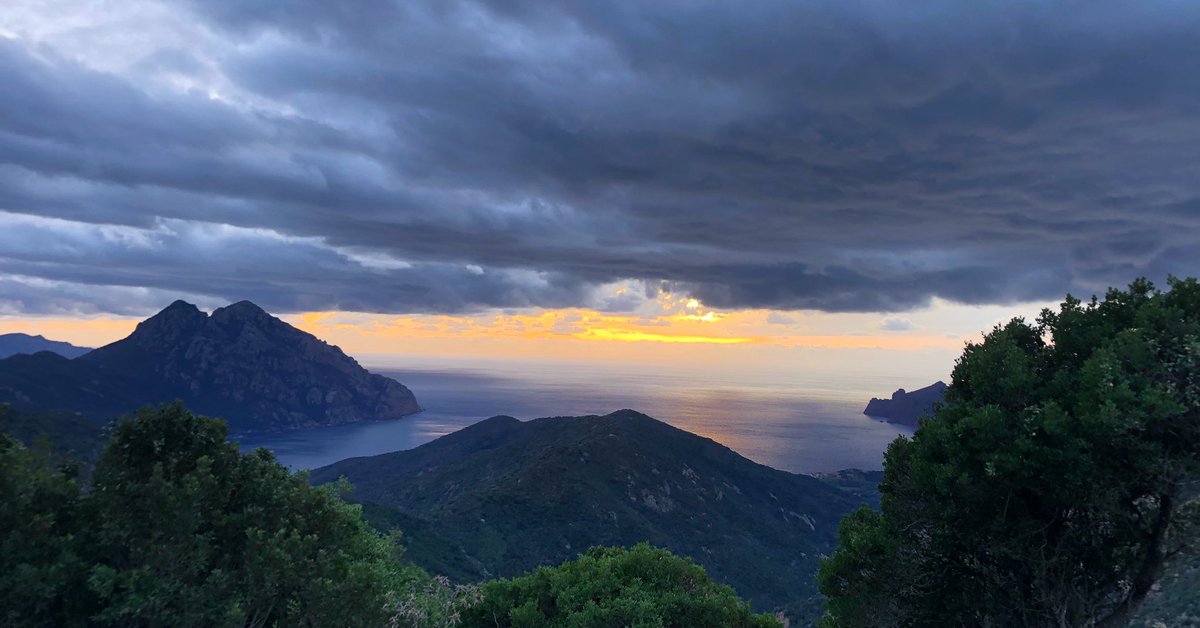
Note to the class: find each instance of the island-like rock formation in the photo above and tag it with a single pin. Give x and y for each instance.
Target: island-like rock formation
(907, 408)
(12, 344)
(240, 364)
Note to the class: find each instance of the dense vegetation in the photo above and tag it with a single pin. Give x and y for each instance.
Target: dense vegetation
(177, 528)
(1054, 486)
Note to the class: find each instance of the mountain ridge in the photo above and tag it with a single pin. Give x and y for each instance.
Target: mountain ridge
(19, 343)
(239, 363)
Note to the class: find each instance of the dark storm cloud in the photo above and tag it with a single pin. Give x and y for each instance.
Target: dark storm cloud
(840, 156)
(285, 274)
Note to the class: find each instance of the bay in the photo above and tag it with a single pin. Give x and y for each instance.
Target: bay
(802, 423)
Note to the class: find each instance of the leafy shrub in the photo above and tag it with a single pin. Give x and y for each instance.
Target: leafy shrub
(640, 586)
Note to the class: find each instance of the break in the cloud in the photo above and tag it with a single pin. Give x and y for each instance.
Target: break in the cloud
(390, 156)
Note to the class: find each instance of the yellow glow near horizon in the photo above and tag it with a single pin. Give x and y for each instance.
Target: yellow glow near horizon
(381, 333)
(549, 324)
(676, 330)
(625, 335)
(83, 332)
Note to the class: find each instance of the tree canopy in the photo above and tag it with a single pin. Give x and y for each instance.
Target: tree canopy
(1052, 486)
(179, 528)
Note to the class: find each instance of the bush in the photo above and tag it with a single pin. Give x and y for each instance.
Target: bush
(640, 586)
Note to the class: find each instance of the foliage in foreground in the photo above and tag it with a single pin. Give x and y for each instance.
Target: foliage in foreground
(640, 586)
(1052, 487)
(178, 528)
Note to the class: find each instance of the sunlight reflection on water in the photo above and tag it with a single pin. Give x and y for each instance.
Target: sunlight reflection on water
(801, 425)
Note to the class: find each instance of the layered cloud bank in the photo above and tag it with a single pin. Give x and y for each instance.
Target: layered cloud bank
(453, 157)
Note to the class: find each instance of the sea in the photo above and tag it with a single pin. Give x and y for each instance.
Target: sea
(804, 422)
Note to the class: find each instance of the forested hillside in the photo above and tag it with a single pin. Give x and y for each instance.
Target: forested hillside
(514, 495)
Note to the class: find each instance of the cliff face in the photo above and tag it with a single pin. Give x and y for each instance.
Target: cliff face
(240, 364)
(907, 408)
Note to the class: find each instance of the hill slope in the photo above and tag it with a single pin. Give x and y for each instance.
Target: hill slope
(240, 364)
(514, 495)
(907, 407)
(12, 344)
(66, 434)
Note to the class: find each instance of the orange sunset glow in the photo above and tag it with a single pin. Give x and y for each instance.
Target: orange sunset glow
(576, 333)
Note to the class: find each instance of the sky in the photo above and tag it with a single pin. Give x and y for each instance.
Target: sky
(768, 182)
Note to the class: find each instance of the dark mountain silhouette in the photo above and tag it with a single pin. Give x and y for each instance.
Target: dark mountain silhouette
(907, 407)
(508, 496)
(12, 344)
(240, 364)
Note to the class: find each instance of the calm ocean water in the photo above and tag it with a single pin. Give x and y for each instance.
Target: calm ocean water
(802, 424)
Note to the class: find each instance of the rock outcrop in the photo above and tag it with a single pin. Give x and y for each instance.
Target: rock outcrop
(907, 408)
(240, 364)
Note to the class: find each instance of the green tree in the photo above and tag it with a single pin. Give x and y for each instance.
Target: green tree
(178, 528)
(42, 571)
(640, 586)
(1049, 490)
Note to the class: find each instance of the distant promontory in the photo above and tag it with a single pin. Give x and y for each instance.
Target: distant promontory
(12, 344)
(906, 408)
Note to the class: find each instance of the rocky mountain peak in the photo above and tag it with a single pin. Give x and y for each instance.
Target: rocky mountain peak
(177, 310)
(242, 311)
(253, 328)
(241, 364)
(177, 319)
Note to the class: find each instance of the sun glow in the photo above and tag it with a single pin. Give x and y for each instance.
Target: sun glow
(625, 335)
(668, 329)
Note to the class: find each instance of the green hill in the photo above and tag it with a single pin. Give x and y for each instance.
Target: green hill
(65, 433)
(514, 495)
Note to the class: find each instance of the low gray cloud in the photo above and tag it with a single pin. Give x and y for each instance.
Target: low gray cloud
(455, 156)
(897, 324)
(775, 318)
